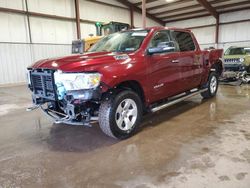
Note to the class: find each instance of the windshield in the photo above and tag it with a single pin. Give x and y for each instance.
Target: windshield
(128, 41)
(237, 51)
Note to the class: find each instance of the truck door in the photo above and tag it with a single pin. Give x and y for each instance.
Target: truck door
(164, 72)
(190, 60)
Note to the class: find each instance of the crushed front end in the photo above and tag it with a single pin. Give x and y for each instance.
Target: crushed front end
(71, 98)
(233, 67)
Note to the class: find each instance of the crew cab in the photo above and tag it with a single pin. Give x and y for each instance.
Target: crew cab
(124, 76)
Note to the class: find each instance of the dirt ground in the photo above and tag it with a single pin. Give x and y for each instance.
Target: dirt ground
(195, 144)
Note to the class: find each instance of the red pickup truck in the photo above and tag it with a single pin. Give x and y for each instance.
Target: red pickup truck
(123, 76)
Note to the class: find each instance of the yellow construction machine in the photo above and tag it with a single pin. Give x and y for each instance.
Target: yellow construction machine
(102, 29)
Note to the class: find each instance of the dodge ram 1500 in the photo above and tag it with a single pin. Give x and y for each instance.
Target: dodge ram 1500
(123, 76)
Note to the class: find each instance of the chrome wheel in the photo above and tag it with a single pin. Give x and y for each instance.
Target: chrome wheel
(213, 85)
(126, 114)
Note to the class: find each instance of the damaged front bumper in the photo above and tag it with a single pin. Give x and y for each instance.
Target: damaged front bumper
(78, 107)
(75, 107)
(67, 119)
(234, 71)
(75, 111)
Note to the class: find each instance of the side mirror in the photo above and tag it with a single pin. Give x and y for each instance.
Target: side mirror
(161, 48)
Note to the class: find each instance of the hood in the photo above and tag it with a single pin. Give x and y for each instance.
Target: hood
(84, 62)
(234, 56)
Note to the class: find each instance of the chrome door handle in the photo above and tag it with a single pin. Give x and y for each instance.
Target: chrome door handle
(175, 61)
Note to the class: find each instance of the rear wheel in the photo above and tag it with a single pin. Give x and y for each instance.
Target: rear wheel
(212, 86)
(120, 116)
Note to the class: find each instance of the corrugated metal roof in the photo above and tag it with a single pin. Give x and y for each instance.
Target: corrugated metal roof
(185, 9)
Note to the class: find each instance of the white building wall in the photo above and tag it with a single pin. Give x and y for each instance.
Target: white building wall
(138, 21)
(50, 37)
(14, 4)
(234, 16)
(87, 29)
(192, 22)
(229, 34)
(103, 13)
(54, 7)
(236, 34)
(13, 28)
(205, 36)
(13, 60)
(42, 51)
(44, 30)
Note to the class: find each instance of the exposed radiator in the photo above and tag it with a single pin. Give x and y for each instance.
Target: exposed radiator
(42, 84)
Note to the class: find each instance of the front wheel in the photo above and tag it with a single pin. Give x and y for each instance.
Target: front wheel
(120, 116)
(212, 86)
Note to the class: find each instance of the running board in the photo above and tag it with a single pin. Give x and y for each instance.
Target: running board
(172, 102)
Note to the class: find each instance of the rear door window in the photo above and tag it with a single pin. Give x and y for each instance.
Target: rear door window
(184, 40)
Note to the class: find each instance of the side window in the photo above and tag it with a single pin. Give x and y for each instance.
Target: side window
(185, 41)
(161, 39)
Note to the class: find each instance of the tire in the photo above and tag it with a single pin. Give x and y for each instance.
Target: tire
(120, 116)
(212, 86)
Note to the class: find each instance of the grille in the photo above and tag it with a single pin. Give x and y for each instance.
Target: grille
(232, 60)
(42, 84)
(232, 68)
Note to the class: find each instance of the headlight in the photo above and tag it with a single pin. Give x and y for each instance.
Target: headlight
(77, 81)
(28, 77)
(242, 60)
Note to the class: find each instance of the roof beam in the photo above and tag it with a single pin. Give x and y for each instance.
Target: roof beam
(78, 23)
(41, 15)
(107, 4)
(139, 10)
(202, 11)
(28, 21)
(176, 10)
(169, 4)
(218, 7)
(131, 10)
(209, 8)
(183, 14)
(233, 5)
(144, 18)
(221, 12)
(148, 1)
(190, 17)
(234, 10)
(184, 8)
(217, 28)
